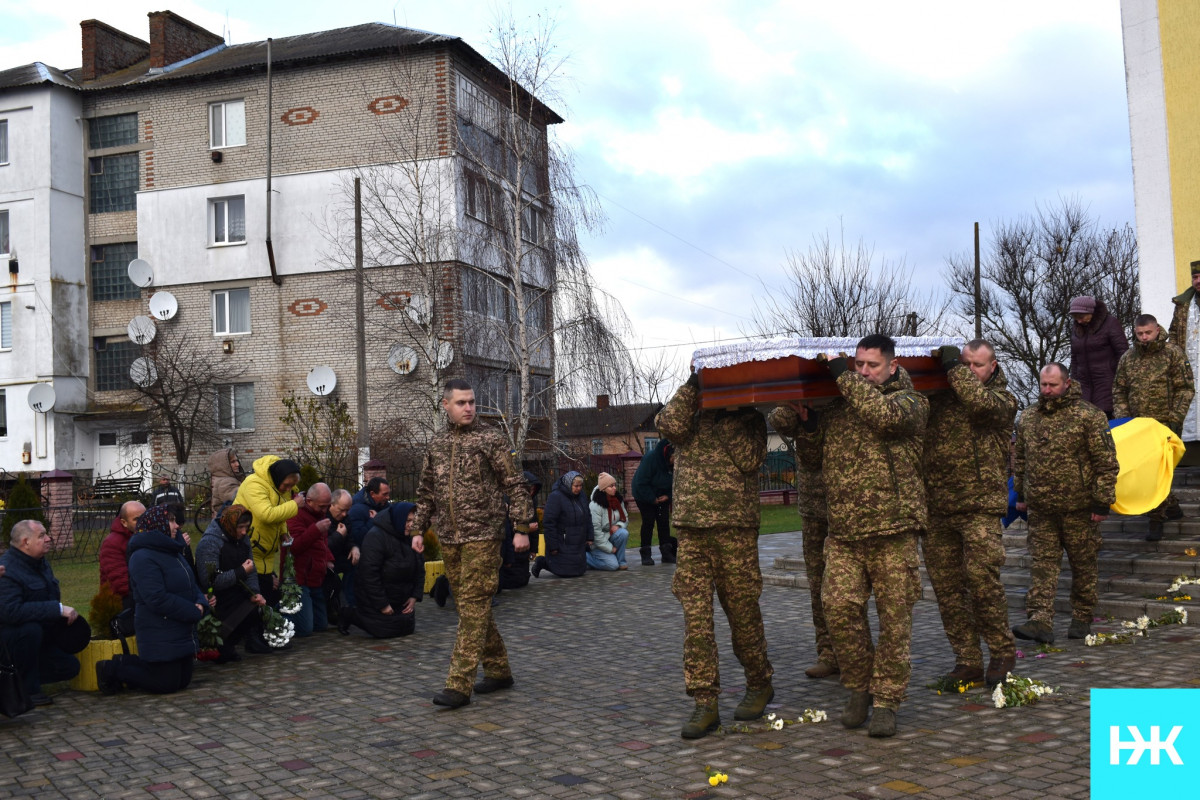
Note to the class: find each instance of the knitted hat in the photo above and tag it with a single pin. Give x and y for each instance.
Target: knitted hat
(1083, 305)
(604, 481)
(281, 469)
(1195, 267)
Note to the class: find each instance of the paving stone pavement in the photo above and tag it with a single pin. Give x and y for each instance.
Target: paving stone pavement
(595, 714)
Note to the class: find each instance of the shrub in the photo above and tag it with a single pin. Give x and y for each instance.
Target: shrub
(106, 604)
(23, 503)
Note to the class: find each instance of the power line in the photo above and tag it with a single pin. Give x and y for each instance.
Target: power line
(683, 299)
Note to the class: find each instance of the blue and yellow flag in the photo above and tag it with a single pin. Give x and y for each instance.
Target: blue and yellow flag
(1147, 451)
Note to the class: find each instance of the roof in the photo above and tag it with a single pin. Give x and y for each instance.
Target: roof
(33, 75)
(593, 421)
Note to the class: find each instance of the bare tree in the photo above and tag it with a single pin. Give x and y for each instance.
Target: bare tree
(835, 290)
(188, 389)
(324, 437)
(1031, 269)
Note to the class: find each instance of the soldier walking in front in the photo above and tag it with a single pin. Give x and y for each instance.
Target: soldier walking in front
(718, 455)
(869, 445)
(467, 473)
(1065, 476)
(966, 485)
(1155, 380)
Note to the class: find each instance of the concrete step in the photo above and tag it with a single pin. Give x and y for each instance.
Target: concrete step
(1129, 542)
(1163, 566)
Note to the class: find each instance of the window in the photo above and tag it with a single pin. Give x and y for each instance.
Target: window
(227, 123)
(112, 183)
(649, 443)
(139, 437)
(4, 248)
(597, 447)
(235, 406)
(3, 141)
(231, 311)
(5, 326)
(535, 309)
(485, 295)
(107, 439)
(3, 414)
(117, 130)
(228, 215)
(110, 272)
(531, 224)
(538, 389)
(489, 389)
(113, 360)
(481, 198)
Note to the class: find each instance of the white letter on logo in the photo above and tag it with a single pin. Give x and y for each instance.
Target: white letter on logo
(1140, 745)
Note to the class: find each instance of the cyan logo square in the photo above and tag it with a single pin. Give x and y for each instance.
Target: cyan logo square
(1144, 741)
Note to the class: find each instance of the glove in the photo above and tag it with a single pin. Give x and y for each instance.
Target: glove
(950, 356)
(693, 380)
(837, 366)
(810, 424)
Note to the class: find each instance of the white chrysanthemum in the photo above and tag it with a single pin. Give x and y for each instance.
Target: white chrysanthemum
(771, 717)
(820, 716)
(1090, 640)
(777, 725)
(1128, 624)
(998, 696)
(1143, 622)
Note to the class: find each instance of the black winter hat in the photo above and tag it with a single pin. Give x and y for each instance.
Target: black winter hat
(281, 469)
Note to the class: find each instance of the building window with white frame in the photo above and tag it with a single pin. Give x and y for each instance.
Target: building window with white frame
(597, 447)
(3, 141)
(531, 224)
(227, 220)
(231, 311)
(4, 246)
(235, 406)
(227, 124)
(6, 326)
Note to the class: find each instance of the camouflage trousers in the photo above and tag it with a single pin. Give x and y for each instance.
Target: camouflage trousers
(1159, 512)
(724, 560)
(815, 530)
(964, 553)
(473, 569)
(1049, 536)
(889, 567)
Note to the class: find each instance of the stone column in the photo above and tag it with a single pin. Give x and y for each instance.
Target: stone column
(58, 490)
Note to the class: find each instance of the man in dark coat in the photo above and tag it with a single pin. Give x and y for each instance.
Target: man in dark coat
(514, 566)
(1097, 344)
(167, 494)
(39, 632)
(368, 501)
(652, 489)
(390, 578)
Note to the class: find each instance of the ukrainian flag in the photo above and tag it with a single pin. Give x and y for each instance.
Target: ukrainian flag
(1148, 452)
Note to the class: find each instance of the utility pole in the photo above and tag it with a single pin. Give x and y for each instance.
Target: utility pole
(364, 437)
(978, 290)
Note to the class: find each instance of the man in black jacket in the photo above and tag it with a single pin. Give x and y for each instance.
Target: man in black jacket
(652, 487)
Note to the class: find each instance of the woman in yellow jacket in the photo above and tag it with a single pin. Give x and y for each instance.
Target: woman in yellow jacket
(269, 494)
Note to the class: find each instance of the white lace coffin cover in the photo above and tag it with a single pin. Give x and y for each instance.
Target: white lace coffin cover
(726, 355)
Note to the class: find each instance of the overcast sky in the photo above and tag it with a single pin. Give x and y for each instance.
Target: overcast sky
(720, 135)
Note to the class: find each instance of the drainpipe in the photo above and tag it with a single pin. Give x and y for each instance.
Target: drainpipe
(270, 119)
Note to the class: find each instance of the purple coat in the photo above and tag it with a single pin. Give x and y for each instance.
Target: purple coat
(1095, 350)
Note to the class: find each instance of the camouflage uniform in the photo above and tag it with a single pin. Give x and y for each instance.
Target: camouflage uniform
(468, 470)
(966, 484)
(718, 456)
(1065, 470)
(869, 445)
(814, 515)
(1154, 379)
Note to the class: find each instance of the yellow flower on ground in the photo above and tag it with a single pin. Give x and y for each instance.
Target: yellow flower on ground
(714, 780)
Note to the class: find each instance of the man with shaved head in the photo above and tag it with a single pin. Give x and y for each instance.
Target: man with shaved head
(114, 565)
(312, 557)
(1065, 476)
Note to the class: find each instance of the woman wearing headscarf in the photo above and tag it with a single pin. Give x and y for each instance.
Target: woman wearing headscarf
(1097, 343)
(567, 526)
(390, 578)
(270, 497)
(168, 606)
(225, 568)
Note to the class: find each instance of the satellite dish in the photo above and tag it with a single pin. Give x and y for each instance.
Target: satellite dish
(141, 329)
(321, 380)
(419, 309)
(140, 272)
(445, 354)
(143, 372)
(163, 305)
(41, 397)
(402, 359)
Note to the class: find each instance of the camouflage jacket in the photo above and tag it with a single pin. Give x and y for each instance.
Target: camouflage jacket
(1183, 304)
(718, 456)
(1154, 379)
(1066, 460)
(966, 445)
(468, 470)
(869, 445)
(810, 483)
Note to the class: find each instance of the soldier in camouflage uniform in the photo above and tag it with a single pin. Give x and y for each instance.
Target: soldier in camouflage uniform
(467, 472)
(718, 455)
(1154, 379)
(1065, 475)
(814, 515)
(869, 445)
(966, 485)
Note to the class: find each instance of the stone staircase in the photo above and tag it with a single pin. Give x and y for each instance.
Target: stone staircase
(1133, 572)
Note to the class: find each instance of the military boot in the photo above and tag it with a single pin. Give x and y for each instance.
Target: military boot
(965, 674)
(1079, 629)
(1156, 530)
(858, 706)
(1037, 631)
(754, 703)
(883, 723)
(705, 719)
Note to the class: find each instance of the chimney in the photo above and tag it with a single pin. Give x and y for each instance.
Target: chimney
(107, 50)
(173, 38)
(601, 401)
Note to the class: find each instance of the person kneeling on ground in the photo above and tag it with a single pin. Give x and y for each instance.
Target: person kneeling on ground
(168, 606)
(226, 569)
(390, 578)
(610, 526)
(567, 526)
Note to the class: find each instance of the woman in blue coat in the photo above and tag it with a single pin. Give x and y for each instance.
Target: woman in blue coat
(169, 604)
(567, 526)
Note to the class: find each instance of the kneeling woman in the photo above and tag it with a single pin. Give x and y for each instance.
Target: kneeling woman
(567, 528)
(168, 606)
(390, 577)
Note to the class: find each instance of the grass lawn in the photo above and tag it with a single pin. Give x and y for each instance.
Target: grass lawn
(775, 519)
